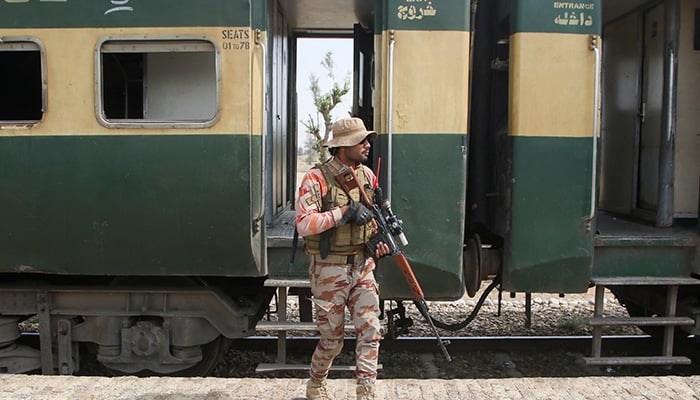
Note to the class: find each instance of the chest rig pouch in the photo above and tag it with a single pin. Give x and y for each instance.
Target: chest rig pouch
(349, 238)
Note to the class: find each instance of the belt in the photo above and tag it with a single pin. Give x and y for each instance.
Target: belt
(336, 259)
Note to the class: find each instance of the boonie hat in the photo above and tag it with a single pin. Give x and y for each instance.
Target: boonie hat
(349, 132)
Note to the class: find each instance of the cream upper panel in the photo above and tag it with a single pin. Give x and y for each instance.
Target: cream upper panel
(70, 75)
(552, 78)
(430, 81)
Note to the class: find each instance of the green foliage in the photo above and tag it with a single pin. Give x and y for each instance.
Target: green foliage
(314, 142)
(324, 102)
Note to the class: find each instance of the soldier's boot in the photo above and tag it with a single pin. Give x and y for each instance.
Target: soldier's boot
(366, 391)
(316, 389)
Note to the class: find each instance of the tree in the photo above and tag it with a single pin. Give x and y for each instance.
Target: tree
(314, 142)
(324, 103)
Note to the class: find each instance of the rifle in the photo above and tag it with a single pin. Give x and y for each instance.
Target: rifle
(389, 227)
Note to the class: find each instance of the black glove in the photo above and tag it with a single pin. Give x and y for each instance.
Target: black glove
(357, 213)
(373, 243)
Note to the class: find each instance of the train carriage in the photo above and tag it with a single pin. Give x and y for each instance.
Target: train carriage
(148, 160)
(131, 177)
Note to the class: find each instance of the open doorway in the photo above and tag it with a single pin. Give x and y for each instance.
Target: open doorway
(324, 70)
(649, 165)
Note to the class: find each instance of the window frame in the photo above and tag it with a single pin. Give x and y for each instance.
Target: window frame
(8, 41)
(155, 41)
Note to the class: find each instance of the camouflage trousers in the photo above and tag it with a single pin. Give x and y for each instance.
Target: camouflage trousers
(335, 286)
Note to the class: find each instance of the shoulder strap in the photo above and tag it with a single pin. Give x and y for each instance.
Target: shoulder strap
(334, 168)
(326, 204)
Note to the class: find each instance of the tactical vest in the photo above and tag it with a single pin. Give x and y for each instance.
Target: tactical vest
(349, 238)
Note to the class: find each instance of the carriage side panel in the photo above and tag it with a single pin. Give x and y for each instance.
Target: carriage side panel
(549, 243)
(429, 96)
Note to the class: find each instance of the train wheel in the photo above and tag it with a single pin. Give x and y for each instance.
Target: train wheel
(471, 265)
(212, 354)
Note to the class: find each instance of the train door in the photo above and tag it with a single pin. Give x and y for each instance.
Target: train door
(686, 195)
(667, 167)
(649, 167)
(363, 82)
(279, 145)
(650, 113)
(552, 131)
(620, 114)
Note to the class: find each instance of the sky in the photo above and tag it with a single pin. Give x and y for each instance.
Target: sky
(310, 54)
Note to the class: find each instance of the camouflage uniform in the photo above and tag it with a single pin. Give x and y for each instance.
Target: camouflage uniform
(337, 282)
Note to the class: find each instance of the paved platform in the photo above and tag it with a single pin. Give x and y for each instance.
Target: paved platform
(98, 388)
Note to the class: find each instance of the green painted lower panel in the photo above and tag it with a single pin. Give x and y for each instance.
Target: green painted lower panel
(279, 259)
(126, 205)
(91, 13)
(629, 247)
(428, 194)
(549, 247)
(657, 261)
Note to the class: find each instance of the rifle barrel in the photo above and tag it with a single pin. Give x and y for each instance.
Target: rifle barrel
(419, 299)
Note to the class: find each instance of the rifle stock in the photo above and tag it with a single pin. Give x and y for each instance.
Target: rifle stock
(405, 268)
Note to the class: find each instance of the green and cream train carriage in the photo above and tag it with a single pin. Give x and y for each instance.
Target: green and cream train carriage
(148, 156)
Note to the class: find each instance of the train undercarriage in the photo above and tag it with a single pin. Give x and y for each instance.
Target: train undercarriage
(182, 328)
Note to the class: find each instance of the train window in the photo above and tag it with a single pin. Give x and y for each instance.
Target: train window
(157, 83)
(23, 94)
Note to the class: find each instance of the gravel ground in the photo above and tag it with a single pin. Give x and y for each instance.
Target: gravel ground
(551, 315)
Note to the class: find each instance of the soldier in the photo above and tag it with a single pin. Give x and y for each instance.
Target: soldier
(336, 227)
